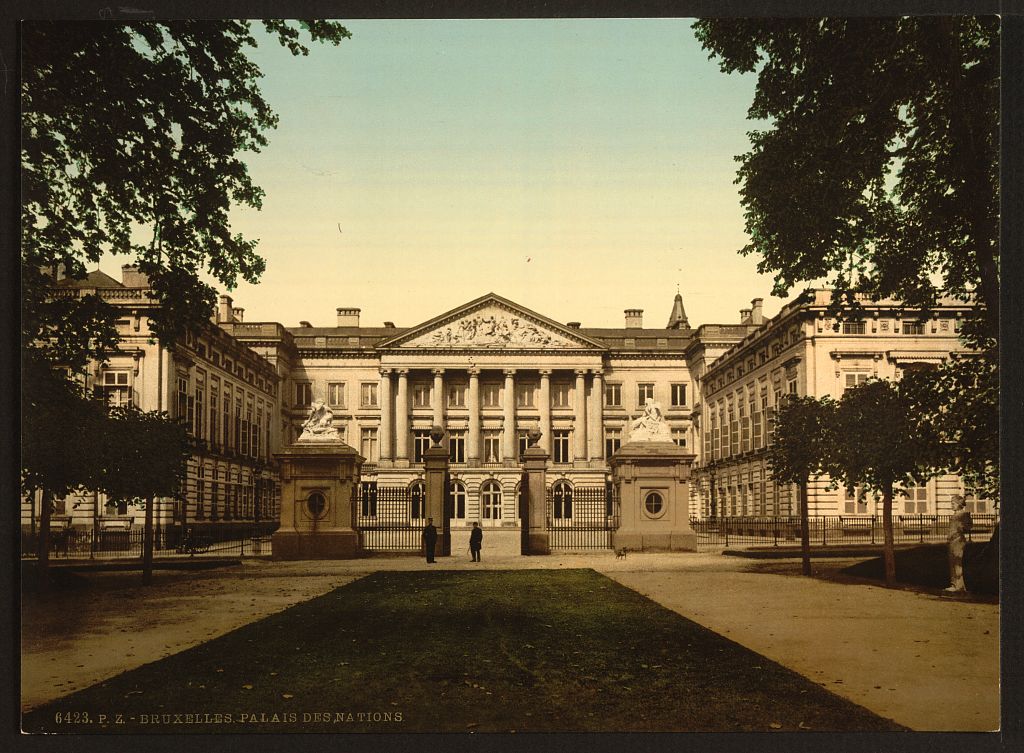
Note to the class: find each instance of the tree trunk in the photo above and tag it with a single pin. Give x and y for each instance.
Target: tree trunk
(147, 544)
(889, 545)
(43, 542)
(805, 528)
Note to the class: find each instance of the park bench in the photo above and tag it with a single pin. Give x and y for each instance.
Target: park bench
(856, 526)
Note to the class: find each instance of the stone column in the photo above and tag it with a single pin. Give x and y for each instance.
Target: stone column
(509, 414)
(402, 417)
(473, 449)
(545, 410)
(435, 471)
(595, 421)
(535, 521)
(386, 425)
(437, 398)
(580, 428)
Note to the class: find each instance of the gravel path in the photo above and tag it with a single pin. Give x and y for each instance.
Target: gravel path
(927, 662)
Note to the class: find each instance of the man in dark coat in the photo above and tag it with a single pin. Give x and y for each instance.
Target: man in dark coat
(476, 537)
(429, 539)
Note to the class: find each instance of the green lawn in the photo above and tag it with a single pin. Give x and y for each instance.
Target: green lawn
(455, 651)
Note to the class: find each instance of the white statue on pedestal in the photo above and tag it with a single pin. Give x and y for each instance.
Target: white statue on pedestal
(959, 526)
(319, 427)
(650, 426)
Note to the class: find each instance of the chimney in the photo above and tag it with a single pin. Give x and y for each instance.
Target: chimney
(238, 313)
(348, 317)
(389, 325)
(634, 318)
(306, 325)
(745, 316)
(756, 317)
(572, 325)
(224, 314)
(131, 277)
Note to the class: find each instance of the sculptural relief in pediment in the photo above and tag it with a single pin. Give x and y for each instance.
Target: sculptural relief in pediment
(491, 328)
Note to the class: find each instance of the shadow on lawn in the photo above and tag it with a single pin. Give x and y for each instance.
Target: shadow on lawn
(524, 651)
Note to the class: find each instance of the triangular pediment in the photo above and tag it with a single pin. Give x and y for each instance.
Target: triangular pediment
(491, 323)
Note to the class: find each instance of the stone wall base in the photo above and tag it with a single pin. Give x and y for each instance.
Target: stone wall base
(322, 545)
(641, 541)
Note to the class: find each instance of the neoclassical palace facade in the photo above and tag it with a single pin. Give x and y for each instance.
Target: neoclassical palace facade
(487, 371)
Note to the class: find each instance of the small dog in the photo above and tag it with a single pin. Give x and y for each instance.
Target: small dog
(620, 554)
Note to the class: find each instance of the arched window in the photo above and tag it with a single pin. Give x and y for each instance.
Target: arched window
(561, 497)
(457, 510)
(490, 497)
(417, 500)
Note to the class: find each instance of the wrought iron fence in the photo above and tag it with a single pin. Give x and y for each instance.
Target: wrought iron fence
(387, 520)
(581, 518)
(226, 540)
(831, 530)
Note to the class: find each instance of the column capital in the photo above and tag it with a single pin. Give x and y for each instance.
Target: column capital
(437, 372)
(544, 372)
(509, 372)
(598, 372)
(385, 372)
(402, 372)
(474, 371)
(580, 372)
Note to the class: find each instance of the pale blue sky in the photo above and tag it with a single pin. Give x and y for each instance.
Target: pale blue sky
(579, 167)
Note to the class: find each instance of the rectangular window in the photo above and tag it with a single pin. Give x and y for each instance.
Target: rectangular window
(456, 396)
(679, 437)
(457, 446)
(368, 445)
(303, 394)
(853, 328)
(336, 394)
(492, 446)
(734, 434)
(716, 437)
(613, 395)
(490, 394)
(852, 379)
(791, 387)
(214, 436)
(744, 428)
(612, 441)
(560, 395)
(913, 328)
(225, 405)
(522, 441)
(560, 445)
(257, 432)
(420, 444)
(421, 395)
(200, 409)
(855, 502)
(975, 503)
(238, 421)
(182, 399)
(916, 501)
(643, 392)
(524, 395)
(368, 394)
(678, 395)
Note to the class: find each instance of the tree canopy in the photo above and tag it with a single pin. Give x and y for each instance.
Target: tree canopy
(131, 144)
(875, 161)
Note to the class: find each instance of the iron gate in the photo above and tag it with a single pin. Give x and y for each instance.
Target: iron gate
(390, 518)
(581, 517)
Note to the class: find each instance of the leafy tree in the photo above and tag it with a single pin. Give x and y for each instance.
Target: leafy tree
(131, 144)
(59, 450)
(799, 451)
(144, 456)
(876, 442)
(879, 154)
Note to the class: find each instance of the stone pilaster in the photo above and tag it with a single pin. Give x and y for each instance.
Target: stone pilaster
(580, 425)
(509, 417)
(402, 417)
(473, 406)
(386, 422)
(437, 398)
(595, 421)
(545, 410)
